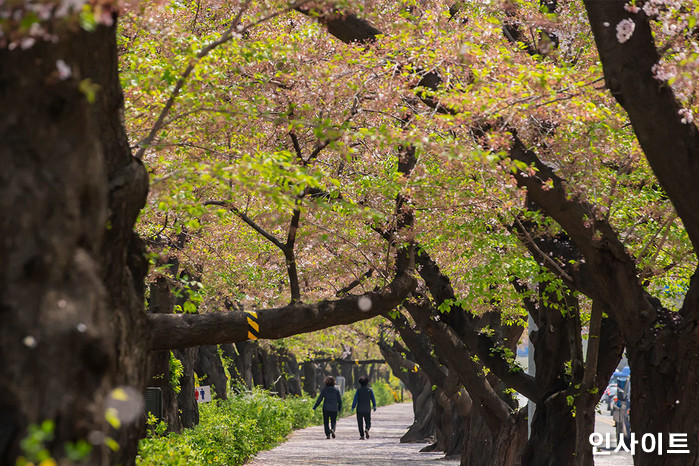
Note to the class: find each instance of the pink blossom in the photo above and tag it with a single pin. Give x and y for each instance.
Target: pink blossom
(624, 30)
(687, 116)
(27, 43)
(650, 9)
(64, 71)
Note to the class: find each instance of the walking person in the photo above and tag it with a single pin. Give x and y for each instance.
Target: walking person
(332, 405)
(363, 399)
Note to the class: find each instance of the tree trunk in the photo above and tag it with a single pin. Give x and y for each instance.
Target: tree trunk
(346, 370)
(585, 406)
(160, 363)
(256, 364)
(453, 418)
(290, 371)
(271, 369)
(234, 362)
(423, 427)
(209, 369)
(664, 391)
(246, 350)
(552, 439)
(162, 300)
(189, 408)
(310, 381)
(662, 345)
(502, 448)
(71, 274)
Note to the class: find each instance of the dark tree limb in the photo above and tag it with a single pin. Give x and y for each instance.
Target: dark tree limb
(297, 146)
(354, 283)
(316, 152)
(604, 254)
(420, 350)
(671, 146)
(184, 330)
(286, 248)
(290, 257)
(450, 348)
(345, 26)
(467, 327)
(249, 221)
(558, 253)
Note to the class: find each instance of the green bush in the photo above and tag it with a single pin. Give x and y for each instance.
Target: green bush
(383, 393)
(302, 414)
(230, 431)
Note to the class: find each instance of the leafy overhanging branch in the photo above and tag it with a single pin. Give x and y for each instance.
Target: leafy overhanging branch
(287, 248)
(236, 29)
(477, 342)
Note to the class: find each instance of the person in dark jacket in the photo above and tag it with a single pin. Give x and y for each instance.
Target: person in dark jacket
(362, 399)
(331, 406)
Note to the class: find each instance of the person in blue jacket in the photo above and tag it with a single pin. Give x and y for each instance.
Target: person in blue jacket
(331, 406)
(362, 399)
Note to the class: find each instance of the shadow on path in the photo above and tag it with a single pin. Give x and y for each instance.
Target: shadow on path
(388, 424)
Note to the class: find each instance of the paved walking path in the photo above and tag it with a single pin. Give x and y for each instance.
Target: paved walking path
(388, 424)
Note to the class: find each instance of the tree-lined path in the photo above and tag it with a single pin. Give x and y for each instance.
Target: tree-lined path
(389, 423)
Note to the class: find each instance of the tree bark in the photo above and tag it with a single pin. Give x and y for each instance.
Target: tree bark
(71, 274)
(234, 363)
(661, 344)
(183, 330)
(310, 382)
(161, 376)
(664, 353)
(188, 406)
(271, 371)
(422, 430)
(671, 147)
(290, 371)
(453, 418)
(505, 447)
(162, 301)
(209, 369)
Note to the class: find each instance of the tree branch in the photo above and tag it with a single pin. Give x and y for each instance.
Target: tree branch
(251, 223)
(228, 35)
(451, 349)
(290, 256)
(345, 26)
(316, 151)
(671, 146)
(611, 267)
(354, 283)
(185, 330)
(419, 347)
(297, 146)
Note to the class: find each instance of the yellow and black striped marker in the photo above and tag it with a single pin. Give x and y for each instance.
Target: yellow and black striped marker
(253, 325)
